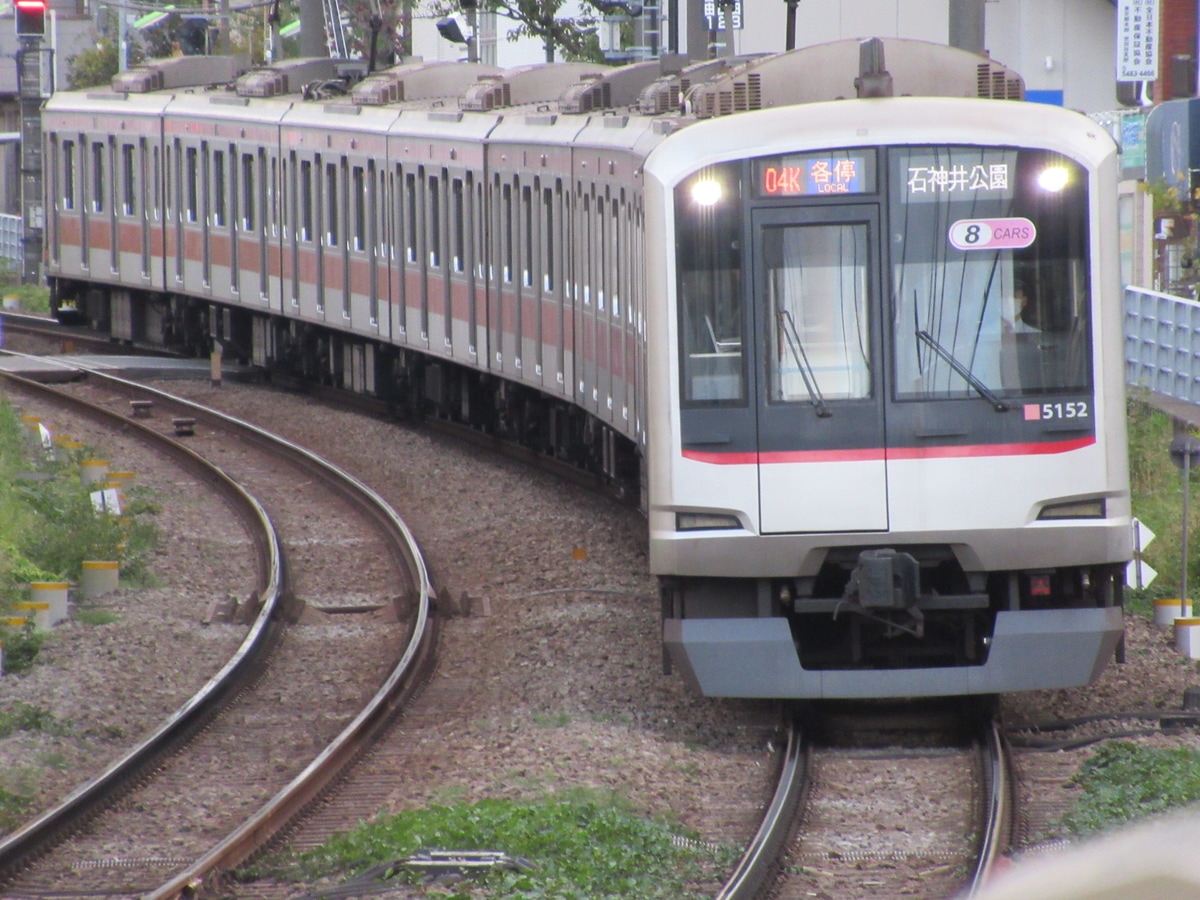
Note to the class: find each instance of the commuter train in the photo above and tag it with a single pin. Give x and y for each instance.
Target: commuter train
(848, 318)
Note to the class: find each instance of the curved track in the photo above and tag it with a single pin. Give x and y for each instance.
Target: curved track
(826, 832)
(241, 702)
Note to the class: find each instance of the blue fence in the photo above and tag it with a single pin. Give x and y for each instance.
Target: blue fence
(11, 248)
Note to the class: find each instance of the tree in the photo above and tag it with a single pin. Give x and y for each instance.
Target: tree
(95, 66)
(574, 37)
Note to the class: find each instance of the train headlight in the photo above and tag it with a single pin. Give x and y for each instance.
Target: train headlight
(1054, 179)
(706, 192)
(1077, 509)
(705, 521)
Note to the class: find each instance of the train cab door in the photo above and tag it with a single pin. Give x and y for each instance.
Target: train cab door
(820, 424)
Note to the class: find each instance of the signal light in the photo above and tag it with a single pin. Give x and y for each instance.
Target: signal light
(31, 18)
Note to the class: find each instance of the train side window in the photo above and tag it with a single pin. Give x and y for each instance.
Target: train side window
(248, 191)
(218, 164)
(97, 177)
(129, 181)
(708, 226)
(68, 193)
(359, 192)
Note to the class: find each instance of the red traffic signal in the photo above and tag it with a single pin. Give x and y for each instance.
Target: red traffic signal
(31, 18)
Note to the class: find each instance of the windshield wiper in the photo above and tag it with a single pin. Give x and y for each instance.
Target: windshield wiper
(984, 391)
(788, 327)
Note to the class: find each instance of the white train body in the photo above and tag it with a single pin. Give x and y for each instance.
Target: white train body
(871, 465)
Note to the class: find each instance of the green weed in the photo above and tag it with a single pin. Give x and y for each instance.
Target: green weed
(576, 847)
(1124, 782)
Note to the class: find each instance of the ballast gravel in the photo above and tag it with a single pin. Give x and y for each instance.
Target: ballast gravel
(555, 676)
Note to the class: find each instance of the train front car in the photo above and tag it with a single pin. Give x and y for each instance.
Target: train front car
(887, 454)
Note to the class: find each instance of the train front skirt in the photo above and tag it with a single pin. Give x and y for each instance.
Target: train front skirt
(1030, 649)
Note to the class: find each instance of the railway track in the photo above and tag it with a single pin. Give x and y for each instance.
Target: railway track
(877, 806)
(241, 761)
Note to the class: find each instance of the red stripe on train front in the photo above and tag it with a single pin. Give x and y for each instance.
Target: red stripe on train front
(878, 453)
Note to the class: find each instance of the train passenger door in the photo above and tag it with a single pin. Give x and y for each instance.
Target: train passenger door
(820, 423)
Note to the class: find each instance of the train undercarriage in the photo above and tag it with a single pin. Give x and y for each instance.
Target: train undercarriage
(411, 384)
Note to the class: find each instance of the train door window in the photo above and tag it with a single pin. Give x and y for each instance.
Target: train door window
(190, 175)
(507, 236)
(708, 223)
(989, 272)
(816, 279)
(218, 188)
(176, 195)
(459, 237)
(616, 259)
(585, 237)
(247, 191)
(143, 201)
(98, 177)
(277, 186)
(128, 180)
(527, 235)
(331, 204)
(156, 182)
(307, 212)
(370, 195)
(234, 196)
(410, 231)
(206, 207)
(547, 240)
(68, 182)
(434, 234)
(170, 180)
(600, 251)
(358, 192)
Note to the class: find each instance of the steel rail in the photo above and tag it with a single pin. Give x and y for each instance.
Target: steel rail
(290, 802)
(999, 809)
(46, 830)
(762, 854)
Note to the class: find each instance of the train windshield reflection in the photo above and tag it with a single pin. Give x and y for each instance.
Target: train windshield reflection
(988, 259)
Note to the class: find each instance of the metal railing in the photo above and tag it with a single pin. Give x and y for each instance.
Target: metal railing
(12, 249)
(1162, 343)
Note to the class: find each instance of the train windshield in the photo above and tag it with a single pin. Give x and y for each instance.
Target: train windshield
(989, 274)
